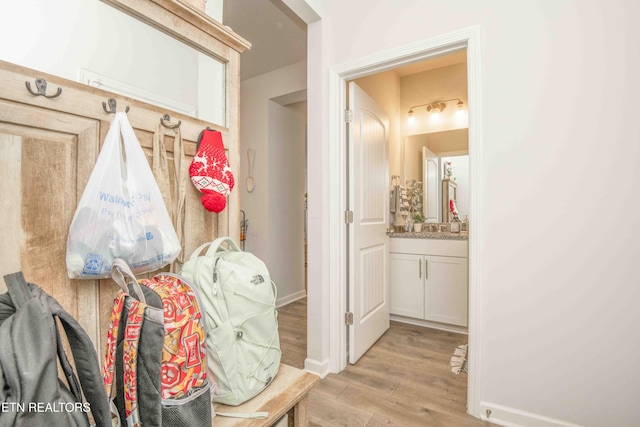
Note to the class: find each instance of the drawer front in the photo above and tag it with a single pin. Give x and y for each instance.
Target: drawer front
(441, 247)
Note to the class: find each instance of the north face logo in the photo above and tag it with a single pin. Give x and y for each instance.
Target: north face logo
(257, 279)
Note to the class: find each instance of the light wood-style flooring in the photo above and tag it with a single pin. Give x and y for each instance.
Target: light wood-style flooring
(403, 380)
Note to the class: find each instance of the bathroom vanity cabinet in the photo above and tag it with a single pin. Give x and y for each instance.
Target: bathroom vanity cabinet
(429, 282)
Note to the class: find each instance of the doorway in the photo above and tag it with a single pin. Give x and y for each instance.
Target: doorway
(464, 39)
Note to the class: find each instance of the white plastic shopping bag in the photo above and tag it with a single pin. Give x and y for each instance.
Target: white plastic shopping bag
(121, 213)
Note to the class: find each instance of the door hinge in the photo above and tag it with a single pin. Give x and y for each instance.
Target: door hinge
(348, 116)
(348, 217)
(348, 318)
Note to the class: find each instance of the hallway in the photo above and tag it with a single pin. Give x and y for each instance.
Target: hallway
(403, 380)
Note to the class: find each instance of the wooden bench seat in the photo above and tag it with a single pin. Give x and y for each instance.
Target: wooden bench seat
(287, 394)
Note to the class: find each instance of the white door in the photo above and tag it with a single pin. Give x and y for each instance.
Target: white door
(368, 241)
(431, 168)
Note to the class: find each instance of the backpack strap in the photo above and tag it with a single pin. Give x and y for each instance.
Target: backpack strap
(18, 288)
(196, 253)
(70, 375)
(135, 317)
(249, 415)
(119, 273)
(160, 166)
(181, 177)
(215, 245)
(108, 366)
(86, 361)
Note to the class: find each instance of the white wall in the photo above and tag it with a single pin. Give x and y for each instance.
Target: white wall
(286, 188)
(559, 277)
(319, 321)
(273, 207)
(60, 37)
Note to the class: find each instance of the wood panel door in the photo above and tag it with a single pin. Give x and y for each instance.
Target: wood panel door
(48, 148)
(46, 158)
(368, 240)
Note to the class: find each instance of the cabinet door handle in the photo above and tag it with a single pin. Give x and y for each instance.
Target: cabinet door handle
(419, 269)
(426, 268)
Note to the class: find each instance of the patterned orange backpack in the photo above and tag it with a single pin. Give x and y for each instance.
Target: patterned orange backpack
(156, 352)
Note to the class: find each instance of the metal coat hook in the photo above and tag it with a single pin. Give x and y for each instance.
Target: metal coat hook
(200, 136)
(112, 106)
(41, 86)
(167, 118)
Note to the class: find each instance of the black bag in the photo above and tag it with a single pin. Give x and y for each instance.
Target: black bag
(31, 393)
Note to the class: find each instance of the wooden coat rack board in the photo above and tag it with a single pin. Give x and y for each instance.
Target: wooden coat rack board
(51, 131)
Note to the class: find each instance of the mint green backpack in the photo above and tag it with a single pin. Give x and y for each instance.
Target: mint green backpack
(238, 298)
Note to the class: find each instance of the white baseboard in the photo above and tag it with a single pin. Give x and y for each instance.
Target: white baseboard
(430, 324)
(511, 417)
(288, 299)
(318, 368)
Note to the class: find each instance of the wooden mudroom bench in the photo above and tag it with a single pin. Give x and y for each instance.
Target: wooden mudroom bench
(288, 394)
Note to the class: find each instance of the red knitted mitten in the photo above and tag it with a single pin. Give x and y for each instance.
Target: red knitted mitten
(210, 171)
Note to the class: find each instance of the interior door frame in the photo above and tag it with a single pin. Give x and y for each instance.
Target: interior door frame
(469, 39)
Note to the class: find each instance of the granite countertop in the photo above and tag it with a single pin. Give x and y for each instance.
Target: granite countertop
(430, 235)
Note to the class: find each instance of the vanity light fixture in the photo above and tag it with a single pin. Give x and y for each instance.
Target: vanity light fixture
(411, 117)
(460, 114)
(435, 108)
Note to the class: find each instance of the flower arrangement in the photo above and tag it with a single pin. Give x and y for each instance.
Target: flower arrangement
(447, 169)
(414, 194)
(418, 218)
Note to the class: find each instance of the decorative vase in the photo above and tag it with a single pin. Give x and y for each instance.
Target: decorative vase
(408, 227)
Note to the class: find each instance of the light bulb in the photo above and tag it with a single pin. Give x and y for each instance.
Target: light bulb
(460, 111)
(411, 119)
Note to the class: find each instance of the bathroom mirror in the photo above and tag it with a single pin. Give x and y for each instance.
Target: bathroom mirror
(425, 157)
